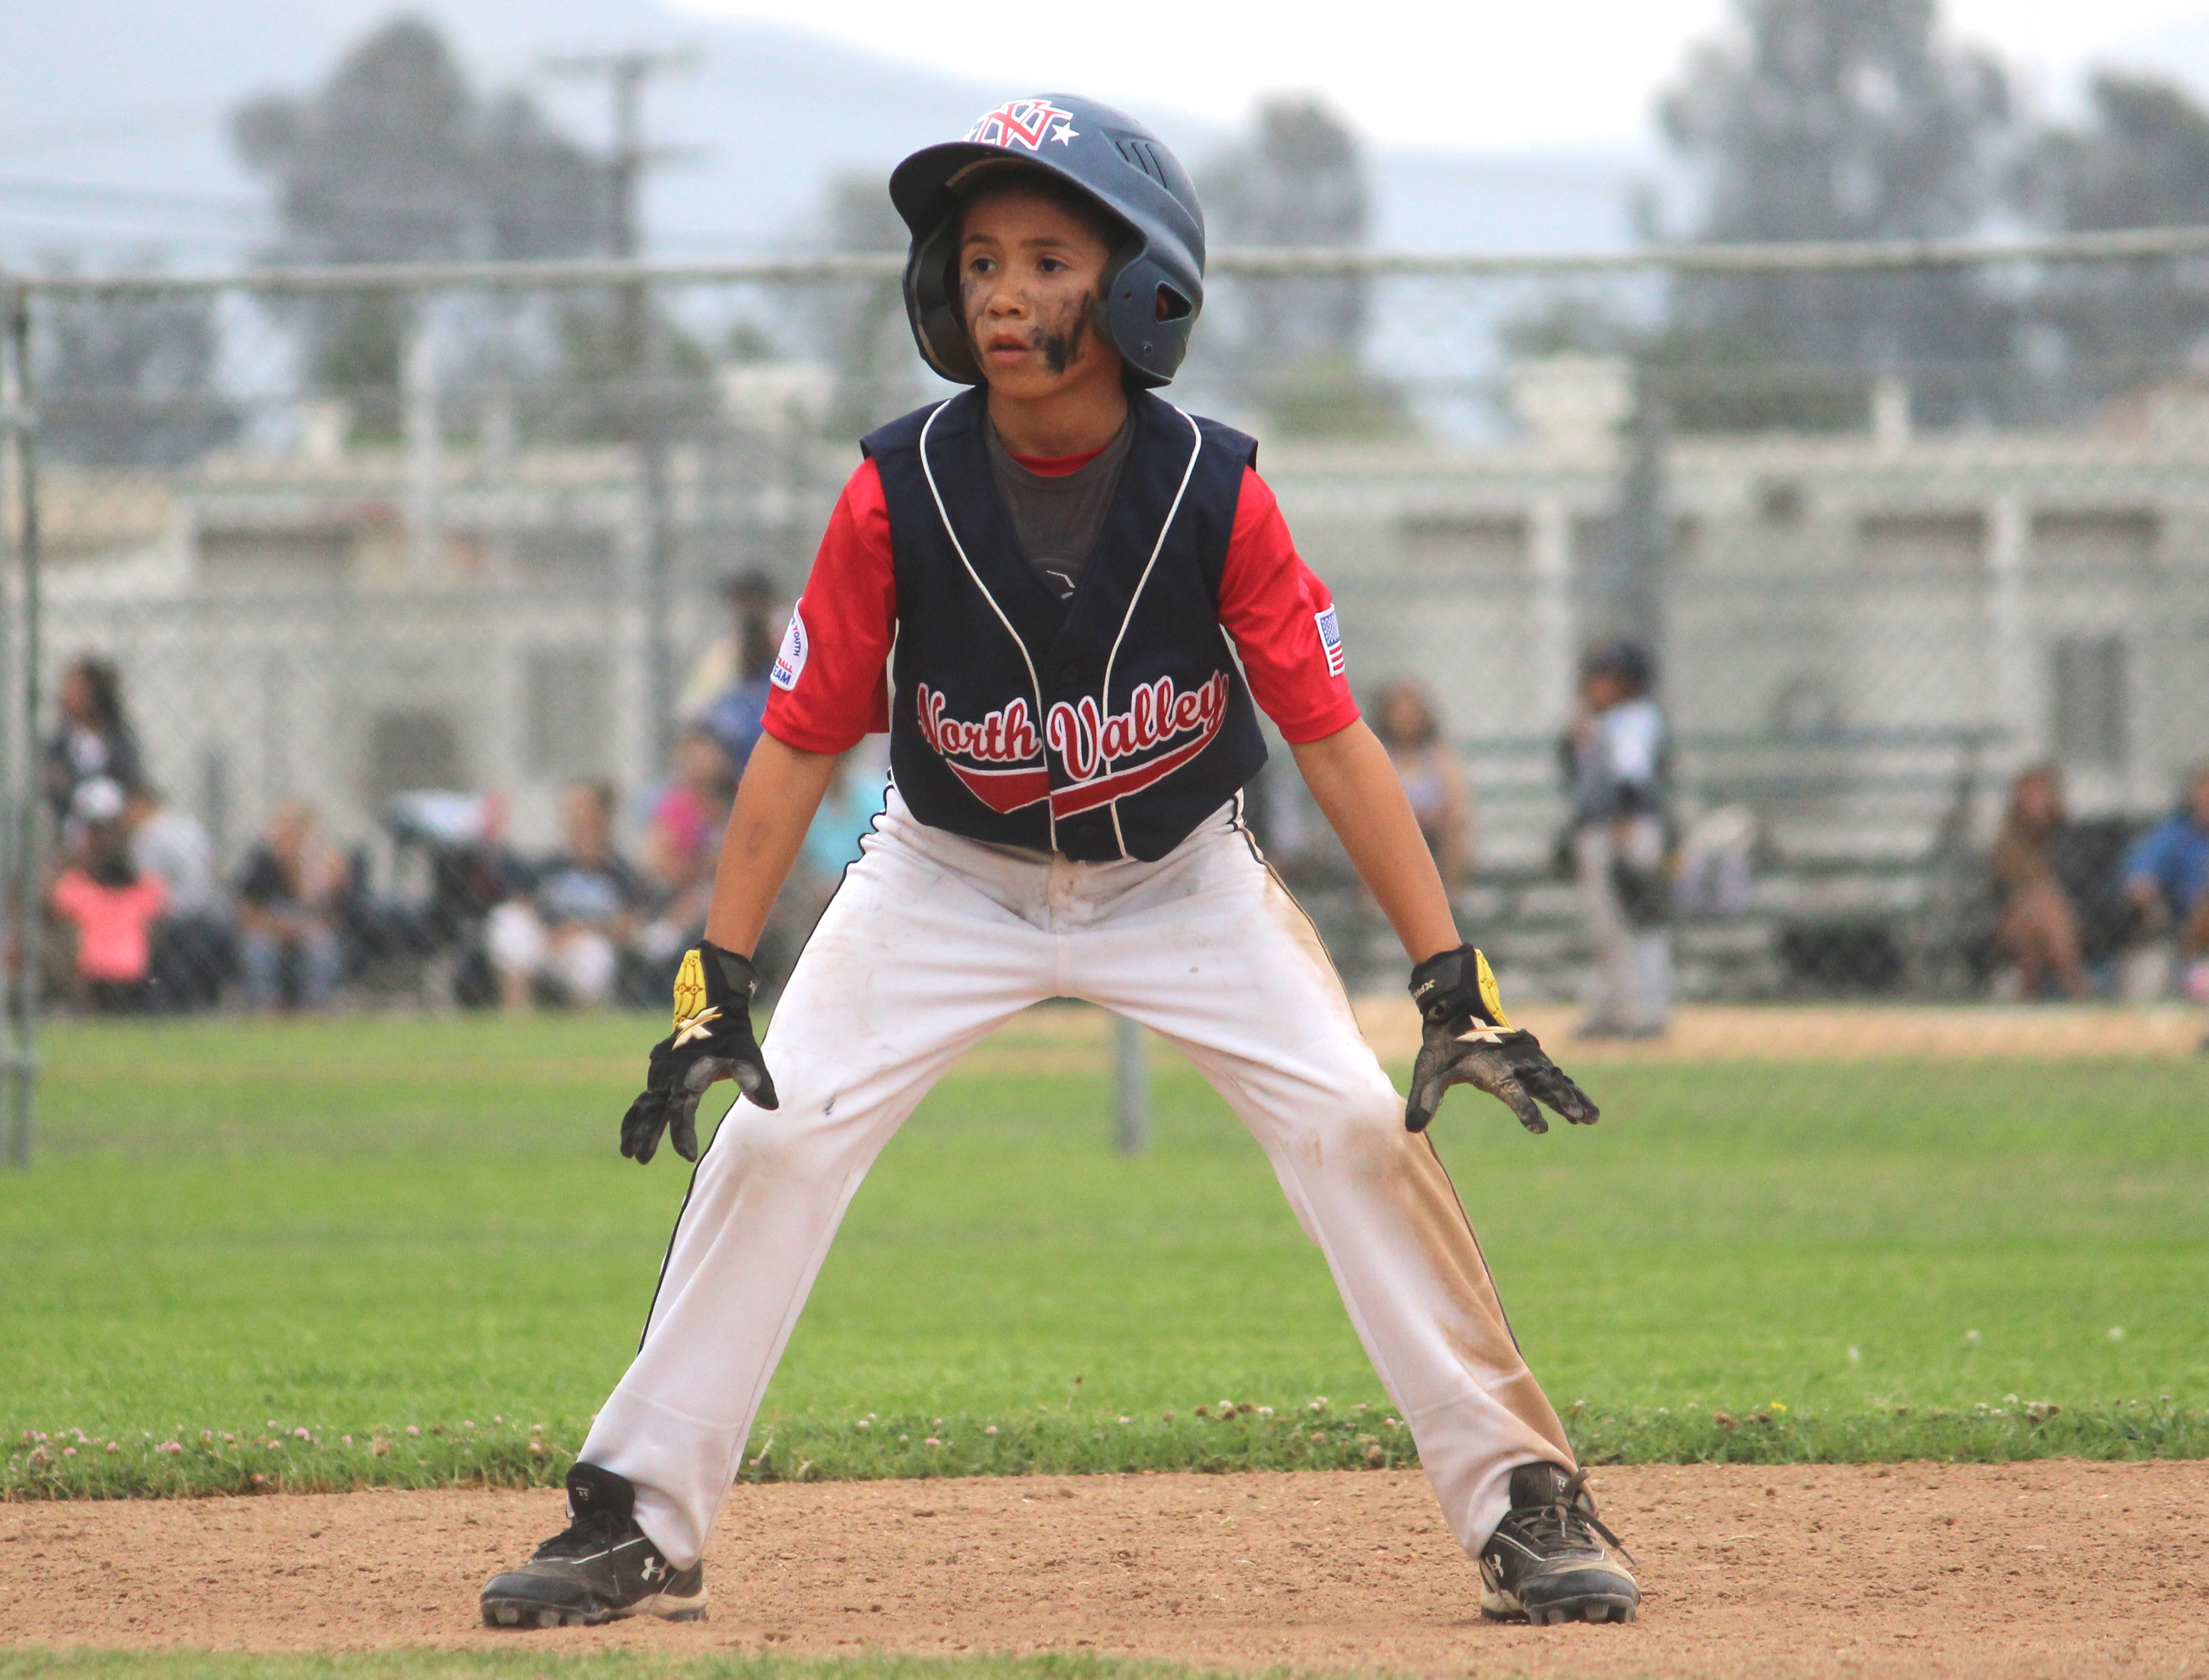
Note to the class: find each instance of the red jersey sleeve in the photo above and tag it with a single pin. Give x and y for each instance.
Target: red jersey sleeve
(1282, 619)
(831, 683)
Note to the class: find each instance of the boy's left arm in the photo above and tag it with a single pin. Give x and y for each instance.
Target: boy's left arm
(1466, 1038)
(1357, 788)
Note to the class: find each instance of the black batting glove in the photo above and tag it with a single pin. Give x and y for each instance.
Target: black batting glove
(712, 1040)
(1468, 1040)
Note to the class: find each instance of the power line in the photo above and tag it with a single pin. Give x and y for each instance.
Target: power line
(1873, 256)
(626, 75)
(152, 198)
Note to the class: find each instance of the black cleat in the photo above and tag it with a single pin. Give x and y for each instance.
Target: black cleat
(1551, 1559)
(600, 1569)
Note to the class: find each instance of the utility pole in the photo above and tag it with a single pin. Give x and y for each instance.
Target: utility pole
(21, 867)
(644, 416)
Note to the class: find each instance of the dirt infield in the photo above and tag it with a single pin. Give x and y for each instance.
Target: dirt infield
(1844, 1032)
(1059, 1038)
(2052, 1568)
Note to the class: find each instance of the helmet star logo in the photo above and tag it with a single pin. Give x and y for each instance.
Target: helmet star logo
(1065, 134)
(1026, 122)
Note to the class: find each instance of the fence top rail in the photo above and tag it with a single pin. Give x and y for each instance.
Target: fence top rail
(2139, 244)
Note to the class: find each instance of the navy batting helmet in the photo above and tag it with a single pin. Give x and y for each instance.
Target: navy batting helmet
(1154, 282)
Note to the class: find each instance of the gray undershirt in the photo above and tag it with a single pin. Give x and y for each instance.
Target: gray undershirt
(1057, 519)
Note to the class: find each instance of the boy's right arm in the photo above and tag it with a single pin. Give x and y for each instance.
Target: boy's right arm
(712, 1037)
(828, 692)
(781, 791)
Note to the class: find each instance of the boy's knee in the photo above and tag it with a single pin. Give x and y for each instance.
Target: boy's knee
(1358, 1131)
(786, 1140)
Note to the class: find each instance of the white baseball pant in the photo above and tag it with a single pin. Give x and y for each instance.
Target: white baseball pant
(933, 941)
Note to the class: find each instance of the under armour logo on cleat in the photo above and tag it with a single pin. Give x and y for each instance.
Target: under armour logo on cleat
(655, 1567)
(699, 1026)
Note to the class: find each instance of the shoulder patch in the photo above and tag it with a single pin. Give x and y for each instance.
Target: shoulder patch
(1330, 640)
(790, 659)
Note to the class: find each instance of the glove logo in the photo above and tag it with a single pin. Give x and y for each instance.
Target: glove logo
(1491, 995)
(689, 1029)
(1027, 123)
(690, 987)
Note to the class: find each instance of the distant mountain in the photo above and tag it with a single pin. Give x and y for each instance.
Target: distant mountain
(2176, 52)
(129, 100)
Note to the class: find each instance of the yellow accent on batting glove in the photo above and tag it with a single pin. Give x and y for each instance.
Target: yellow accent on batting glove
(711, 1041)
(1467, 1039)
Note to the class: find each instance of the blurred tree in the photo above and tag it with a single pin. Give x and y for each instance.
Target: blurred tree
(130, 381)
(862, 325)
(395, 158)
(2141, 162)
(1834, 119)
(1293, 347)
(595, 392)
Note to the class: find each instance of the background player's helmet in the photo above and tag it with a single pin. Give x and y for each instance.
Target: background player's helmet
(1154, 282)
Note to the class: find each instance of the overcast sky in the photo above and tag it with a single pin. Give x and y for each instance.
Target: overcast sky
(1440, 72)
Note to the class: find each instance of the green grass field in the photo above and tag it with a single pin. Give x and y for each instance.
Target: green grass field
(353, 1227)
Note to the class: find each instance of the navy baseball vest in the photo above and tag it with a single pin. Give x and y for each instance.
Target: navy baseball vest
(1105, 726)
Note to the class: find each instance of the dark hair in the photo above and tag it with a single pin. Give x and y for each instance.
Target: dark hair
(601, 793)
(740, 586)
(1624, 659)
(1384, 706)
(103, 684)
(987, 180)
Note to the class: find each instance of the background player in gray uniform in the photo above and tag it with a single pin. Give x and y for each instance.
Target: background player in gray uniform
(1616, 756)
(1070, 579)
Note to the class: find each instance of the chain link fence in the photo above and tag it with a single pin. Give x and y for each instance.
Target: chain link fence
(363, 601)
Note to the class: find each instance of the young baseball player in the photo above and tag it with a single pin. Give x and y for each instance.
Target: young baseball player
(1078, 590)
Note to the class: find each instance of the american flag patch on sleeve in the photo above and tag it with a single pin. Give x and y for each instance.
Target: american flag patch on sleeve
(1330, 640)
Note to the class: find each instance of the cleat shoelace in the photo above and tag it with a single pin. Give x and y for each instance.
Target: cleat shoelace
(584, 1536)
(1570, 1519)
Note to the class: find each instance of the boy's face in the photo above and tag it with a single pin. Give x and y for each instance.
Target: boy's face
(1029, 272)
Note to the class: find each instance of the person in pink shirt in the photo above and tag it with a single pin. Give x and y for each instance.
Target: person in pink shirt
(111, 906)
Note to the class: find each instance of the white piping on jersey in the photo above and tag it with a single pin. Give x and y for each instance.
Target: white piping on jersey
(959, 549)
(1104, 694)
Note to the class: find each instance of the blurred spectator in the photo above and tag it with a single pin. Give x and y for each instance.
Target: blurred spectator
(752, 619)
(194, 944)
(2169, 868)
(461, 840)
(110, 903)
(1433, 777)
(2037, 924)
(744, 661)
(682, 842)
(567, 934)
(289, 903)
(1616, 756)
(94, 738)
(2167, 876)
